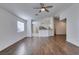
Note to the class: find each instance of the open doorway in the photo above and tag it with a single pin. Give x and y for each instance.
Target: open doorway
(35, 28)
(59, 26)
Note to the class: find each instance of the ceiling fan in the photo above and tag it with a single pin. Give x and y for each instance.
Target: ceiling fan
(43, 7)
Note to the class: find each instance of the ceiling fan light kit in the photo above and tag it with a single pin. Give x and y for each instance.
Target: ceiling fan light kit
(43, 7)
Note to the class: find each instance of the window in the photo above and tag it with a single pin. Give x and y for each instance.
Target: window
(20, 26)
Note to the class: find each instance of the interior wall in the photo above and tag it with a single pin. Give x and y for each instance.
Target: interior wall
(8, 29)
(72, 15)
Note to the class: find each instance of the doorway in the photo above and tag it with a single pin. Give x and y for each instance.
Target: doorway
(35, 28)
(59, 26)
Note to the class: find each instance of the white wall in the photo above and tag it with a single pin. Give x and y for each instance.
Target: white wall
(8, 29)
(72, 15)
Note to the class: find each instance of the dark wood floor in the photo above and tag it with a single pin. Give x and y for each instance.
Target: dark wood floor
(42, 46)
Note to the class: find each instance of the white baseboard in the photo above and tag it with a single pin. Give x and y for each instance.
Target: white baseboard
(76, 44)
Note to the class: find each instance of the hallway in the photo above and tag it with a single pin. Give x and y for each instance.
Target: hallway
(56, 45)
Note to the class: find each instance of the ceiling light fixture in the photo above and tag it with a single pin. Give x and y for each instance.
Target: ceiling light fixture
(42, 9)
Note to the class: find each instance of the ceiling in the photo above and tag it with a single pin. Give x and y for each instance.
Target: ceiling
(26, 11)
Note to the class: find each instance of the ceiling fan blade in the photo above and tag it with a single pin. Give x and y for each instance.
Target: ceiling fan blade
(46, 10)
(48, 6)
(42, 4)
(37, 8)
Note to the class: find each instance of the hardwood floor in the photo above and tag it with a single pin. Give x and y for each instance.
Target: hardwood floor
(42, 46)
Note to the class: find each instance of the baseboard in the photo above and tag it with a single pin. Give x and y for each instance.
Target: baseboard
(61, 34)
(73, 43)
(13, 44)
